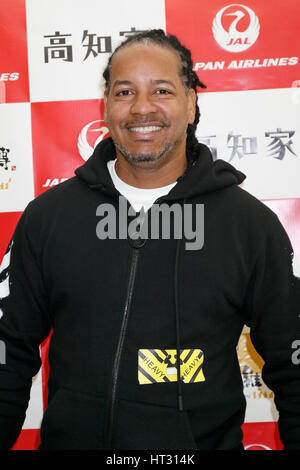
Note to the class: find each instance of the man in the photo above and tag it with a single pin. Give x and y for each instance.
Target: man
(145, 329)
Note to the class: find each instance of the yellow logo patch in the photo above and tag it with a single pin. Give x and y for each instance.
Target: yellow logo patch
(160, 365)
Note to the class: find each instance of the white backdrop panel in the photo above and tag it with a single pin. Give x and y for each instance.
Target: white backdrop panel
(258, 132)
(69, 42)
(16, 171)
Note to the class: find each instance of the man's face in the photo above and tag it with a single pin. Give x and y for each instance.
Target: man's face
(147, 108)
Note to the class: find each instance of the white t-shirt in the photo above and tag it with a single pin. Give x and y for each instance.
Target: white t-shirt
(137, 197)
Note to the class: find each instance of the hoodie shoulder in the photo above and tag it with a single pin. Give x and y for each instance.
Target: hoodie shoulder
(250, 207)
(58, 192)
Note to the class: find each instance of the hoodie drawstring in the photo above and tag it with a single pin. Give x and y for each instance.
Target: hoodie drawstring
(177, 323)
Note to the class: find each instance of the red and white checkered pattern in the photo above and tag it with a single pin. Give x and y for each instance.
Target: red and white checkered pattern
(51, 114)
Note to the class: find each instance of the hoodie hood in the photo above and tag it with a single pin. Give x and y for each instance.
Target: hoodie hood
(205, 175)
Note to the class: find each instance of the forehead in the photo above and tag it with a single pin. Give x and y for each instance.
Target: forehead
(145, 61)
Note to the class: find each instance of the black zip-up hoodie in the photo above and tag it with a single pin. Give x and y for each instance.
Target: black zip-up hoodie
(121, 309)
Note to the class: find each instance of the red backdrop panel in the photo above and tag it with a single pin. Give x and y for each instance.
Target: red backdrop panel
(13, 57)
(278, 38)
(56, 127)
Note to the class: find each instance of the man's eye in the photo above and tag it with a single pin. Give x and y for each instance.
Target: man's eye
(123, 93)
(162, 91)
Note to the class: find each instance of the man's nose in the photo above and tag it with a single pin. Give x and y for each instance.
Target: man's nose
(143, 104)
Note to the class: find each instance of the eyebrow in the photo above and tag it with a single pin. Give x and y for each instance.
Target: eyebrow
(161, 82)
(122, 82)
(155, 82)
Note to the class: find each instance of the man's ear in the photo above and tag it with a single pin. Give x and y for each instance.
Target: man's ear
(192, 97)
(105, 105)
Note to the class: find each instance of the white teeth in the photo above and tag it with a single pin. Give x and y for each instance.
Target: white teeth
(145, 129)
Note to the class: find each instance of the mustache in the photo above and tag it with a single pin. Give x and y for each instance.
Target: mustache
(146, 120)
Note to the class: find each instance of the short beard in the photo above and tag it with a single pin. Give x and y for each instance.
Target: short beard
(139, 160)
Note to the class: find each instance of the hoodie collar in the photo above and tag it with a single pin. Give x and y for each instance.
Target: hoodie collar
(205, 175)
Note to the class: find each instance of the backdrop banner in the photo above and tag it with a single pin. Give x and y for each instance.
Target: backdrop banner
(52, 116)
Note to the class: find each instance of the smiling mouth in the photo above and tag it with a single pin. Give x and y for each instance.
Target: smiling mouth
(144, 129)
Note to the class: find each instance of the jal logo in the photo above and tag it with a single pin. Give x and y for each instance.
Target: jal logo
(257, 447)
(236, 27)
(90, 136)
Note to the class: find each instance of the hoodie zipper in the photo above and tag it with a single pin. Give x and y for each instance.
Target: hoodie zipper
(116, 367)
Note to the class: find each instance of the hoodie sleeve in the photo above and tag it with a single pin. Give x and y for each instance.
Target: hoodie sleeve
(24, 324)
(273, 305)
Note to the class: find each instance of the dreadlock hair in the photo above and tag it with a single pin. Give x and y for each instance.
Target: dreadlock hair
(188, 76)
